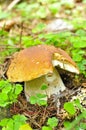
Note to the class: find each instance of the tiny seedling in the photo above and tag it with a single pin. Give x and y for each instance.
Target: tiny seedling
(51, 123)
(40, 99)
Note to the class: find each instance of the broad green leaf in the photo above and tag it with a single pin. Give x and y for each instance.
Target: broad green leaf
(78, 42)
(39, 99)
(4, 122)
(7, 89)
(44, 87)
(42, 102)
(52, 122)
(83, 126)
(18, 89)
(66, 124)
(33, 99)
(46, 128)
(4, 14)
(69, 107)
(78, 104)
(20, 118)
(41, 96)
(25, 127)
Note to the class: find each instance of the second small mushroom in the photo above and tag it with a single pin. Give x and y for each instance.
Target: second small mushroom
(36, 66)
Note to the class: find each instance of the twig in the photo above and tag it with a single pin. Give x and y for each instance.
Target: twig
(34, 122)
(10, 47)
(12, 4)
(20, 39)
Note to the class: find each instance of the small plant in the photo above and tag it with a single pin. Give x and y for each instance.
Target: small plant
(70, 108)
(13, 123)
(78, 50)
(79, 122)
(40, 99)
(79, 23)
(51, 123)
(7, 44)
(28, 41)
(41, 8)
(9, 92)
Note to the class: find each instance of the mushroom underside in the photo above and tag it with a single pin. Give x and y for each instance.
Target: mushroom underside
(53, 81)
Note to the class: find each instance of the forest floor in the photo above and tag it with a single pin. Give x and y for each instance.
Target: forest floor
(19, 25)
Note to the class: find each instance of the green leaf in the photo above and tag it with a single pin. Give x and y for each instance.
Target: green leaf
(78, 42)
(25, 127)
(7, 89)
(67, 124)
(44, 87)
(42, 102)
(69, 107)
(41, 13)
(46, 128)
(77, 57)
(78, 54)
(78, 104)
(84, 113)
(18, 121)
(41, 96)
(52, 122)
(39, 28)
(38, 99)
(83, 126)
(81, 32)
(18, 89)
(4, 14)
(84, 61)
(10, 125)
(20, 118)
(54, 7)
(7, 124)
(33, 99)
(4, 122)
(3, 96)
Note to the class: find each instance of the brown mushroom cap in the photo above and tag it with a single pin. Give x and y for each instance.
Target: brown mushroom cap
(36, 61)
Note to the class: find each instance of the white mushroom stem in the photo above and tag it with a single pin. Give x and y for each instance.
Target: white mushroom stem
(53, 81)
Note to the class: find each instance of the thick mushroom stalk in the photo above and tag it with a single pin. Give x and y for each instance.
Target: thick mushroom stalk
(36, 65)
(52, 80)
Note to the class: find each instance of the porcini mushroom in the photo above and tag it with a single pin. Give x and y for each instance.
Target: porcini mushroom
(36, 65)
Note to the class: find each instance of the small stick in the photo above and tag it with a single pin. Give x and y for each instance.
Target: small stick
(20, 40)
(12, 4)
